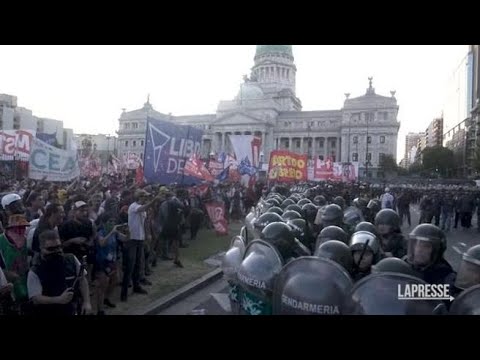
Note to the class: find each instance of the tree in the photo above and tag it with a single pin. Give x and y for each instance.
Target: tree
(438, 160)
(415, 168)
(388, 165)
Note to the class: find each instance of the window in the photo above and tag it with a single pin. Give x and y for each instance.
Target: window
(382, 139)
(385, 116)
(322, 142)
(134, 143)
(127, 125)
(285, 124)
(141, 143)
(126, 143)
(369, 156)
(141, 156)
(381, 156)
(287, 144)
(134, 125)
(298, 143)
(369, 139)
(369, 116)
(309, 144)
(334, 144)
(355, 139)
(355, 157)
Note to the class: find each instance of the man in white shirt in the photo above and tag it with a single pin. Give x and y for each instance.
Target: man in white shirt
(134, 255)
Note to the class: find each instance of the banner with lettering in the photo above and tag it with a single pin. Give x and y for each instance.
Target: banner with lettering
(216, 212)
(286, 166)
(168, 147)
(16, 144)
(52, 163)
(336, 171)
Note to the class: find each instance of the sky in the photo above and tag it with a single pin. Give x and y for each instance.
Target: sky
(88, 86)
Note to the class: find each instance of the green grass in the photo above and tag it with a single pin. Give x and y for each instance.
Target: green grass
(167, 278)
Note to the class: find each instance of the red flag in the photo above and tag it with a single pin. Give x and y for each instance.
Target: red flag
(216, 212)
(196, 168)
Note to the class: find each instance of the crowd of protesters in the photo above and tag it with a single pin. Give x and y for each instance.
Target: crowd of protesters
(65, 246)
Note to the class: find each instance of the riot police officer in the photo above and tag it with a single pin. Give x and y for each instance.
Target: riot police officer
(365, 249)
(426, 246)
(392, 241)
(333, 215)
(469, 271)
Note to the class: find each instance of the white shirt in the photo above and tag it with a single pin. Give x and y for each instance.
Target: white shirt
(136, 222)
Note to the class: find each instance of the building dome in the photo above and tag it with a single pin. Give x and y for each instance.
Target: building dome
(274, 49)
(250, 91)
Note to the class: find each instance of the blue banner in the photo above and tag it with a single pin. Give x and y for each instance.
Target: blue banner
(168, 146)
(50, 139)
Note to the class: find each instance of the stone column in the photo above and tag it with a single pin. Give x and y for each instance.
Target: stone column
(264, 145)
(302, 150)
(290, 143)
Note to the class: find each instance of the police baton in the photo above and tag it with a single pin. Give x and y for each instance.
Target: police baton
(357, 265)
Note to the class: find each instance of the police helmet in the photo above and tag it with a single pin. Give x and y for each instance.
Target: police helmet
(366, 226)
(320, 200)
(468, 274)
(299, 227)
(332, 233)
(279, 235)
(333, 215)
(340, 201)
(294, 207)
(394, 265)
(360, 203)
(290, 215)
(276, 210)
(310, 212)
(427, 234)
(365, 240)
(388, 217)
(352, 217)
(303, 202)
(286, 202)
(337, 251)
(264, 220)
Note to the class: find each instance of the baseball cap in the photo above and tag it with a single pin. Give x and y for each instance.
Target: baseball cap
(10, 198)
(79, 204)
(139, 193)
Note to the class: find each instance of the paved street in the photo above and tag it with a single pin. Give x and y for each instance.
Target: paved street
(213, 300)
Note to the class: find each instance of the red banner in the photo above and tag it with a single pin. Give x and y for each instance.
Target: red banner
(196, 167)
(323, 169)
(216, 212)
(286, 166)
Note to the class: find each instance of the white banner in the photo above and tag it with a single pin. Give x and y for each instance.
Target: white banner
(52, 163)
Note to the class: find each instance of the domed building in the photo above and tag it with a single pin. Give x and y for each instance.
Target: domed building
(363, 131)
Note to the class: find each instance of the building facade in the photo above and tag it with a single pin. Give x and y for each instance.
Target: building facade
(411, 143)
(434, 133)
(13, 117)
(364, 129)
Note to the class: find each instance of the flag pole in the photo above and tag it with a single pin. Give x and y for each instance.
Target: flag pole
(185, 154)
